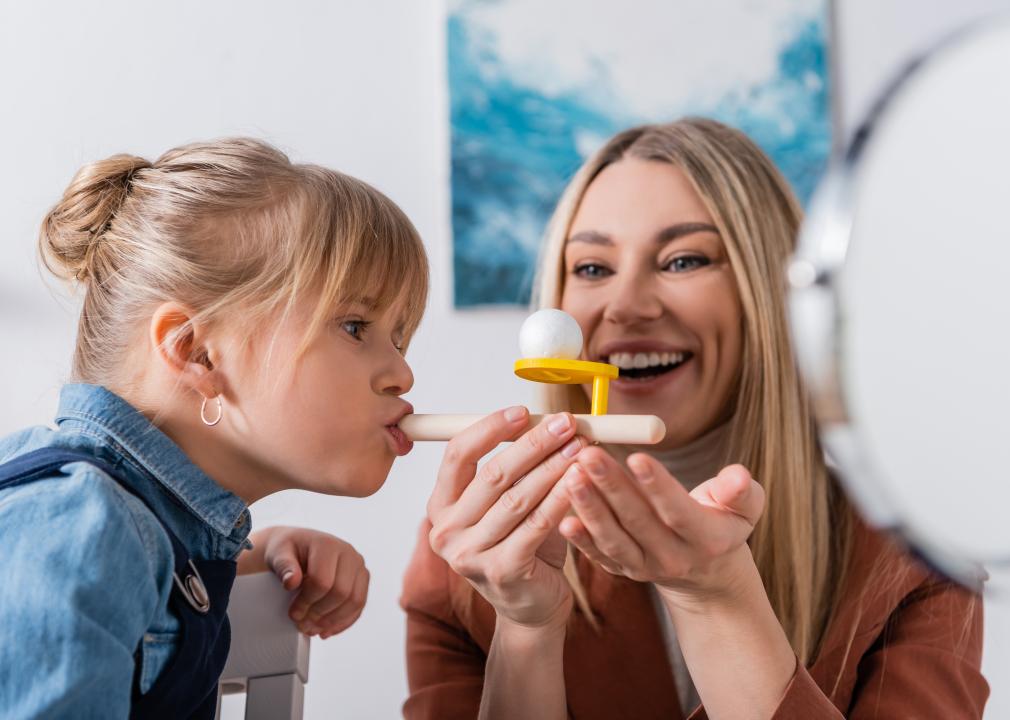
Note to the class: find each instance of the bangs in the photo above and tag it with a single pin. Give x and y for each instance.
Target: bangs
(368, 251)
(388, 274)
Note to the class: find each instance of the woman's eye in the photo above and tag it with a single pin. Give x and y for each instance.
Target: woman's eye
(355, 328)
(683, 263)
(592, 271)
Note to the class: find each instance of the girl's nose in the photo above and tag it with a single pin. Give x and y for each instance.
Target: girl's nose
(397, 378)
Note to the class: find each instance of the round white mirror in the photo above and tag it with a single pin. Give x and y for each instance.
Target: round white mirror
(900, 305)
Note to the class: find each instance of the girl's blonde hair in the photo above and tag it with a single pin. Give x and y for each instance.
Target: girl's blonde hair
(233, 230)
(802, 542)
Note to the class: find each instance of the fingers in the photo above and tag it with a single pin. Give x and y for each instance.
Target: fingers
(284, 563)
(575, 532)
(539, 523)
(348, 568)
(667, 497)
(505, 469)
(649, 527)
(459, 463)
(320, 572)
(599, 521)
(628, 504)
(718, 514)
(735, 491)
(347, 613)
(329, 579)
(525, 499)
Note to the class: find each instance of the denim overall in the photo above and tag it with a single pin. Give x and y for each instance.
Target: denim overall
(187, 687)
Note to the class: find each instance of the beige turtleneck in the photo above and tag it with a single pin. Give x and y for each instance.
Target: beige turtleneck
(692, 465)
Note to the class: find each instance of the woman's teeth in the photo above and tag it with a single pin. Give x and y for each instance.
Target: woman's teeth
(641, 361)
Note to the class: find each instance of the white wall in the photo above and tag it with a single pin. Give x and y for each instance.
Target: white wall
(354, 85)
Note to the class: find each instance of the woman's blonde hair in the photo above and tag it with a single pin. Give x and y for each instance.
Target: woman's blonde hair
(233, 230)
(802, 542)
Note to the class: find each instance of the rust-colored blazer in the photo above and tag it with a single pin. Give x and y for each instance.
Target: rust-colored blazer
(906, 645)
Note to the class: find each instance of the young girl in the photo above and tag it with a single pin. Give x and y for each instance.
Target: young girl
(243, 331)
(698, 589)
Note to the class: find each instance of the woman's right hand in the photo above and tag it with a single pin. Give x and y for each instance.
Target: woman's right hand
(497, 527)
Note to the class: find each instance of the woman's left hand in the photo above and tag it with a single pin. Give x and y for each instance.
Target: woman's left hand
(328, 573)
(644, 525)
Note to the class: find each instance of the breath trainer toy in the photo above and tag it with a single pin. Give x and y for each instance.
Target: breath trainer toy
(550, 342)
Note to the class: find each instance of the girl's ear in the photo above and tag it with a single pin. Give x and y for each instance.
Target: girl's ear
(180, 344)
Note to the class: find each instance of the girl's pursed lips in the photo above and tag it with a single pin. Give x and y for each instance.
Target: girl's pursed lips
(405, 409)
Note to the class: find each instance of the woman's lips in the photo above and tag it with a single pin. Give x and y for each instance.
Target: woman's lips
(401, 445)
(649, 385)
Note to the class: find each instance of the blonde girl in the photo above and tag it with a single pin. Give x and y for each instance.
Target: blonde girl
(242, 332)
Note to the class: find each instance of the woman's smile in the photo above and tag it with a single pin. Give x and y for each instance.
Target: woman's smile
(649, 282)
(644, 364)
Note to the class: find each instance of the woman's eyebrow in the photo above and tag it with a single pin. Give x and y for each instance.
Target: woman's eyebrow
(592, 237)
(681, 229)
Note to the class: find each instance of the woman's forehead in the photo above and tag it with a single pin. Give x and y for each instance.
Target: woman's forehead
(639, 197)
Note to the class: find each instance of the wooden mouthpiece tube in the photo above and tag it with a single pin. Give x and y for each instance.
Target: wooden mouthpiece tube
(616, 429)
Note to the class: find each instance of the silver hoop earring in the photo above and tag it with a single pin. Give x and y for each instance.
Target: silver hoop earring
(203, 412)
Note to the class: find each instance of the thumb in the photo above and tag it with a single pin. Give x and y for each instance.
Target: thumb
(735, 491)
(284, 564)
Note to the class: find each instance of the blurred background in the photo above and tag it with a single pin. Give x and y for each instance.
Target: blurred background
(384, 90)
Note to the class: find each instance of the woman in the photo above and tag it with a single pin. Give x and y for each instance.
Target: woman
(696, 591)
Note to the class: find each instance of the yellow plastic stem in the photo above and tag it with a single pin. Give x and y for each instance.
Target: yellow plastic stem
(601, 389)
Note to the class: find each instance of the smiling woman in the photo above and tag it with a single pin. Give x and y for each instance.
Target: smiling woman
(699, 587)
(657, 250)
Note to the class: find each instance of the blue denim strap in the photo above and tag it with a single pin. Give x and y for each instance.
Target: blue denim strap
(45, 462)
(187, 686)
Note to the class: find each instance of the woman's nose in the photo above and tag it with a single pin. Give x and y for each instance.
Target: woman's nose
(634, 300)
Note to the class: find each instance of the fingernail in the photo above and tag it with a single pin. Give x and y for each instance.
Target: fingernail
(642, 473)
(515, 414)
(309, 629)
(559, 425)
(577, 487)
(572, 449)
(594, 468)
(287, 576)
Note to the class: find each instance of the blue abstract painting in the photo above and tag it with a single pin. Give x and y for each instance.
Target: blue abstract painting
(535, 87)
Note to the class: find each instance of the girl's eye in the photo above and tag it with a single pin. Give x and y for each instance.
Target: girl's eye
(683, 263)
(592, 271)
(355, 328)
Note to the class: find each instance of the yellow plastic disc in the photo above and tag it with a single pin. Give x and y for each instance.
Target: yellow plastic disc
(563, 372)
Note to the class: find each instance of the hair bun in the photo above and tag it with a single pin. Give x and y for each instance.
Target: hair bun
(71, 232)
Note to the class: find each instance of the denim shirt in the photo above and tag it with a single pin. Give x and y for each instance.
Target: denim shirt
(86, 567)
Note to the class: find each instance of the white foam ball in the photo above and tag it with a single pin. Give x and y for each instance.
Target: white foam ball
(550, 334)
